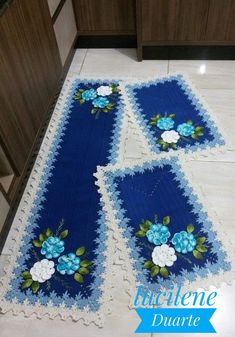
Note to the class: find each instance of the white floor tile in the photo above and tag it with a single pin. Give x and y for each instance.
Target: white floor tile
(77, 62)
(121, 62)
(207, 74)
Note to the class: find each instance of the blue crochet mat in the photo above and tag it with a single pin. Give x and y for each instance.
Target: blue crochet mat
(172, 117)
(61, 258)
(170, 237)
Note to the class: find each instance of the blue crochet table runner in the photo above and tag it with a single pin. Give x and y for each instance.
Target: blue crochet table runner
(169, 235)
(172, 117)
(62, 254)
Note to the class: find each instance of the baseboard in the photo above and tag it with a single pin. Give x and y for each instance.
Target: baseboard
(106, 41)
(189, 52)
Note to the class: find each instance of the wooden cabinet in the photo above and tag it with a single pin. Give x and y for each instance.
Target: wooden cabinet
(221, 21)
(185, 22)
(105, 17)
(173, 20)
(30, 70)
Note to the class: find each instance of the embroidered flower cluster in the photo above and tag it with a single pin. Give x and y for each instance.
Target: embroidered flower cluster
(101, 98)
(164, 252)
(170, 137)
(52, 246)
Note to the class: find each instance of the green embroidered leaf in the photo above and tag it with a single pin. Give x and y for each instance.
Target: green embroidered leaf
(153, 123)
(81, 101)
(64, 234)
(197, 254)
(85, 263)
(140, 234)
(165, 146)
(158, 116)
(189, 122)
(199, 129)
(83, 271)
(166, 220)
(201, 240)
(35, 286)
(27, 283)
(105, 110)
(144, 227)
(171, 116)
(42, 238)
(154, 271)
(81, 90)
(190, 228)
(201, 248)
(194, 136)
(94, 110)
(174, 146)
(148, 264)
(80, 251)
(37, 243)
(110, 105)
(78, 277)
(148, 223)
(161, 141)
(26, 275)
(48, 232)
(164, 272)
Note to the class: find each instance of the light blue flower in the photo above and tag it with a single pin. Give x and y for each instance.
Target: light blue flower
(165, 123)
(185, 129)
(184, 242)
(52, 247)
(158, 234)
(89, 95)
(68, 264)
(100, 102)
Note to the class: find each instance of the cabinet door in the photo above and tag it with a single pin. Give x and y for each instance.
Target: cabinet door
(30, 69)
(173, 20)
(221, 21)
(105, 16)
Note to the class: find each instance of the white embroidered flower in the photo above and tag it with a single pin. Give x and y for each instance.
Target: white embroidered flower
(164, 256)
(171, 136)
(104, 90)
(42, 270)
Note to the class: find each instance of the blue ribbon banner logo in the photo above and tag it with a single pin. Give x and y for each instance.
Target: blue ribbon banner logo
(175, 320)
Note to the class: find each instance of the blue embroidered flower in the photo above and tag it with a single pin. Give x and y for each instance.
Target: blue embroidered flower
(68, 264)
(100, 102)
(52, 247)
(165, 123)
(158, 234)
(89, 95)
(185, 129)
(184, 242)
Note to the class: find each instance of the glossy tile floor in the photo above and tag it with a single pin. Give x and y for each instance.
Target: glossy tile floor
(215, 81)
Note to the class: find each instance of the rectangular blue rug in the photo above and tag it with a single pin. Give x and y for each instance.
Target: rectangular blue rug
(163, 227)
(173, 117)
(58, 264)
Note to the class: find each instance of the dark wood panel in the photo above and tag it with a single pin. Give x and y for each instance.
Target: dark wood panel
(221, 21)
(174, 20)
(105, 15)
(30, 69)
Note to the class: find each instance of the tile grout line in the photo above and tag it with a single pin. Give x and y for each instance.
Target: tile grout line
(83, 61)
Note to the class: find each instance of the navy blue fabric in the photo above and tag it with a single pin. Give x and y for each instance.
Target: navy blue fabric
(169, 98)
(157, 192)
(72, 194)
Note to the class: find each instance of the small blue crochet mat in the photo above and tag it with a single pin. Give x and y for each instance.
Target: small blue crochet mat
(62, 255)
(169, 234)
(172, 117)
